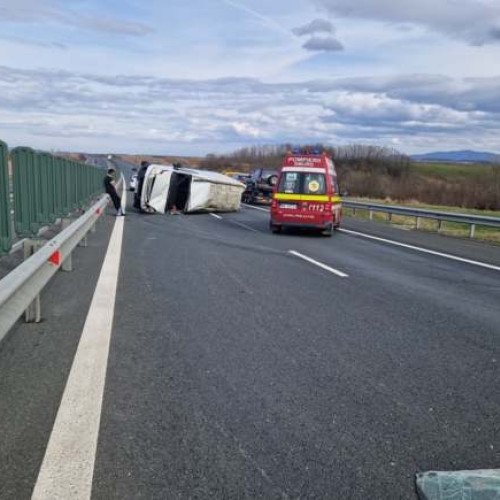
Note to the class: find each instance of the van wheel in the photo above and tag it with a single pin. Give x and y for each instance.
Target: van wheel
(275, 228)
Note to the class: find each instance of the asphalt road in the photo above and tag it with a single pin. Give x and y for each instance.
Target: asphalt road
(240, 370)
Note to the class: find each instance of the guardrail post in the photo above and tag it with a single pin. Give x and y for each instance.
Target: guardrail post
(67, 265)
(371, 214)
(419, 222)
(472, 231)
(440, 225)
(84, 242)
(389, 217)
(33, 313)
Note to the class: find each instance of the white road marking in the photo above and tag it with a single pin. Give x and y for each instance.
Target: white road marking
(216, 216)
(423, 250)
(244, 226)
(319, 264)
(256, 208)
(68, 466)
(405, 245)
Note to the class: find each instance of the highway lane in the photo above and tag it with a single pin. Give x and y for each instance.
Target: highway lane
(239, 370)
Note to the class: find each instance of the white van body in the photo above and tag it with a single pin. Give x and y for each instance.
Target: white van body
(202, 190)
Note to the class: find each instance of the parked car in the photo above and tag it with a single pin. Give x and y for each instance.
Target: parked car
(243, 178)
(260, 186)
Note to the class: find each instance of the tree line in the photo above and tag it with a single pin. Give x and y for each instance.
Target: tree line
(377, 172)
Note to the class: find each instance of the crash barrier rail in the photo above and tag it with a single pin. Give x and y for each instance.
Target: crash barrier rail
(20, 289)
(419, 214)
(43, 188)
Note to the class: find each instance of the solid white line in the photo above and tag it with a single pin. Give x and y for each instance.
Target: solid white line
(68, 466)
(256, 208)
(216, 216)
(319, 264)
(423, 250)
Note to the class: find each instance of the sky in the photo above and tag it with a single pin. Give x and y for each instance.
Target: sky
(209, 76)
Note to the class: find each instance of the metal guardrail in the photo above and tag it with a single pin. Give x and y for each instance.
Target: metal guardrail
(419, 214)
(20, 289)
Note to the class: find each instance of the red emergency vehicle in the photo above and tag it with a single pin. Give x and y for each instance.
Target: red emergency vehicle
(307, 194)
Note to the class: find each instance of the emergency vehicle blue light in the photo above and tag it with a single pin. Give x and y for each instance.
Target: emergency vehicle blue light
(296, 151)
(316, 151)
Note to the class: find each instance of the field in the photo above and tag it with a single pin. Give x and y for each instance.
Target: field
(448, 171)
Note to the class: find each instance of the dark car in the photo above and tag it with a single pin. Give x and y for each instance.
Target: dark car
(260, 186)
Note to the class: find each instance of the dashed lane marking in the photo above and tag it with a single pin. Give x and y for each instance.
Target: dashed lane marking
(332, 270)
(249, 228)
(256, 208)
(410, 247)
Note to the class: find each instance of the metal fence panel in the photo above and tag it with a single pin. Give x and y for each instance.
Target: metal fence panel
(45, 187)
(46, 168)
(26, 194)
(5, 206)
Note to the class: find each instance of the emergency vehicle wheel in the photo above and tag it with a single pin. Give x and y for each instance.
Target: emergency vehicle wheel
(275, 228)
(328, 231)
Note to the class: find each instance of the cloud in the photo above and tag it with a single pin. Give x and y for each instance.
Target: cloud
(475, 21)
(324, 44)
(315, 26)
(58, 11)
(319, 43)
(67, 110)
(25, 41)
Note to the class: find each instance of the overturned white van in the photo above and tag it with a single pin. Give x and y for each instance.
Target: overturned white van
(189, 190)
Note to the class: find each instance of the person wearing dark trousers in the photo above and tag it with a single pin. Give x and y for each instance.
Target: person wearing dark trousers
(140, 183)
(110, 188)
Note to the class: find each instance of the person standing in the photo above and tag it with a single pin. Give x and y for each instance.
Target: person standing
(110, 188)
(140, 183)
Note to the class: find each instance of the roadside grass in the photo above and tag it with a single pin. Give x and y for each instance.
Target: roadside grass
(447, 228)
(449, 171)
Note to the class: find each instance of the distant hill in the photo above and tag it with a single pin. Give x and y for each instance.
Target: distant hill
(458, 157)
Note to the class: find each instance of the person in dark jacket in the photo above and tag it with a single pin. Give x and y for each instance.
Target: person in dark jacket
(140, 183)
(110, 188)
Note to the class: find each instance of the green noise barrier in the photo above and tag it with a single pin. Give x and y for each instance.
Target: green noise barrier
(43, 188)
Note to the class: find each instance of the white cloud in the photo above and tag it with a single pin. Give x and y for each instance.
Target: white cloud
(60, 109)
(475, 21)
(212, 76)
(58, 11)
